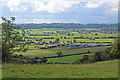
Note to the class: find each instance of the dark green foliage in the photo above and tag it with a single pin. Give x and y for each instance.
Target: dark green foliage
(57, 40)
(74, 41)
(115, 52)
(89, 51)
(10, 38)
(59, 53)
(36, 58)
(6, 54)
(44, 60)
(20, 59)
(97, 56)
(108, 54)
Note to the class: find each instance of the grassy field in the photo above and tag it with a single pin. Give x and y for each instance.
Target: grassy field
(53, 51)
(66, 59)
(106, 69)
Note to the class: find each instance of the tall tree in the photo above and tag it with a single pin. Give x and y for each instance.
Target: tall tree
(10, 38)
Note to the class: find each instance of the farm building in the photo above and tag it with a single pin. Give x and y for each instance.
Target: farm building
(96, 44)
(48, 46)
(86, 45)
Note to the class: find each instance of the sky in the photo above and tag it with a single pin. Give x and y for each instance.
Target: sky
(60, 11)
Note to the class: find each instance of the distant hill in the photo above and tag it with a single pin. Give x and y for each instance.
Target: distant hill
(70, 26)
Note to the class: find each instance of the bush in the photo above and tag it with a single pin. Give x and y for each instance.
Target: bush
(6, 54)
(88, 51)
(44, 60)
(97, 56)
(36, 58)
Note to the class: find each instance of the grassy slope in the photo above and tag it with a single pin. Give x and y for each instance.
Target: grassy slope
(106, 69)
(52, 51)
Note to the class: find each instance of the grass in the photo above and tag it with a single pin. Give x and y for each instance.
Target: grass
(53, 51)
(105, 69)
(66, 59)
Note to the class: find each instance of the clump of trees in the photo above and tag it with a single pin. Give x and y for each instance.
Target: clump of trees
(108, 54)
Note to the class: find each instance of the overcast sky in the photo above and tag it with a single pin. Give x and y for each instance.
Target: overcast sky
(60, 11)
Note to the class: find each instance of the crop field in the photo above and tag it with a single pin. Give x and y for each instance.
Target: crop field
(94, 70)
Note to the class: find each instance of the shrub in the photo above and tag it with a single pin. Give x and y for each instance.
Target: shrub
(97, 56)
(36, 58)
(88, 51)
(44, 60)
(6, 54)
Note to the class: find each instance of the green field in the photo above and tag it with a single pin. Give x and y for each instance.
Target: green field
(106, 69)
(66, 59)
(57, 33)
(53, 51)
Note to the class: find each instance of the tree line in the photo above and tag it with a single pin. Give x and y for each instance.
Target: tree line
(106, 27)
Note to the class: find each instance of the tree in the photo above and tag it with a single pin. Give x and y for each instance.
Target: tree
(10, 38)
(74, 41)
(97, 56)
(115, 52)
(59, 53)
(57, 40)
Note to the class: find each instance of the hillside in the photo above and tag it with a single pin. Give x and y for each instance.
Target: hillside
(94, 70)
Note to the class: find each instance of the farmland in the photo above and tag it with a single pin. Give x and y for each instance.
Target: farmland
(36, 39)
(50, 52)
(59, 39)
(67, 36)
(94, 70)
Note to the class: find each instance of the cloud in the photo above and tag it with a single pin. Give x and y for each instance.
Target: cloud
(54, 6)
(109, 8)
(16, 6)
(112, 8)
(44, 21)
(93, 4)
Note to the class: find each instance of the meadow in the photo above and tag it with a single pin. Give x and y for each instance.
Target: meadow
(94, 70)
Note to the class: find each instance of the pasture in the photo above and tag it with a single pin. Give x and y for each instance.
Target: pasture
(66, 59)
(53, 51)
(105, 69)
